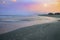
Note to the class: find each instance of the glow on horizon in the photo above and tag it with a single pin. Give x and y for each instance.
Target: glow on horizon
(40, 5)
(45, 5)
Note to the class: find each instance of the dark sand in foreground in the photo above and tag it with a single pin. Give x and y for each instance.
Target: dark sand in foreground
(50, 31)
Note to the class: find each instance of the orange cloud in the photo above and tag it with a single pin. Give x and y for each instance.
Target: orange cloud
(44, 8)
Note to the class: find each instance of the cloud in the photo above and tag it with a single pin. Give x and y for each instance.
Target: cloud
(31, 1)
(38, 1)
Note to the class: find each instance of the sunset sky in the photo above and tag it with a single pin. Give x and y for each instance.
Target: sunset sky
(31, 5)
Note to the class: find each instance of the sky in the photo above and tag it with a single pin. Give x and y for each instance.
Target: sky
(9, 6)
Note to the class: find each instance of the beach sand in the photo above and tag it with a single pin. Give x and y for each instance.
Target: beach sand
(9, 25)
(48, 29)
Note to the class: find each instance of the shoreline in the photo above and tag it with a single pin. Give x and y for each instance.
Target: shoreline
(13, 26)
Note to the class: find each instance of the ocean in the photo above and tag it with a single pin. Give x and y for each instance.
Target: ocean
(10, 23)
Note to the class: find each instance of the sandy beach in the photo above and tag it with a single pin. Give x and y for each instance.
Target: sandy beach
(7, 26)
(36, 28)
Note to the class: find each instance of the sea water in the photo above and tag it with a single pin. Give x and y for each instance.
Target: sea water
(10, 23)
